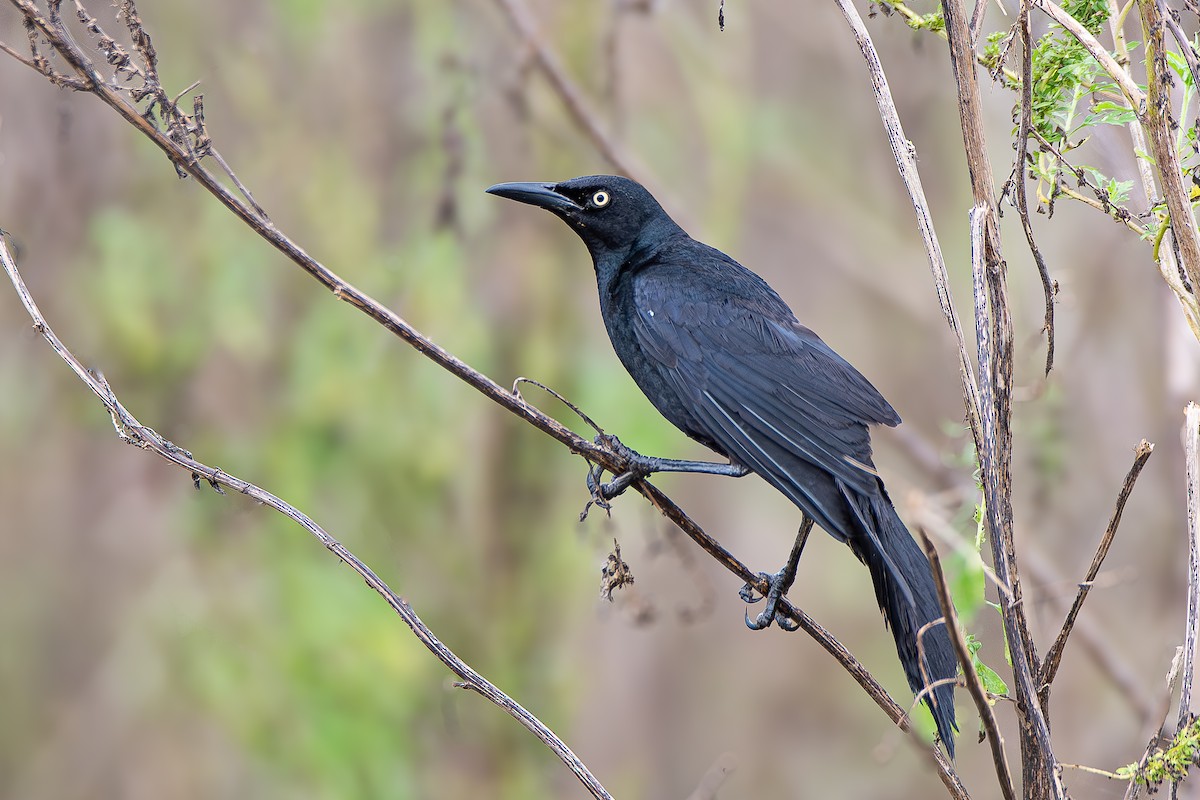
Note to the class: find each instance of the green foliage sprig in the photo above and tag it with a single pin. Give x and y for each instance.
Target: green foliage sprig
(1170, 764)
(1072, 98)
(1162, 765)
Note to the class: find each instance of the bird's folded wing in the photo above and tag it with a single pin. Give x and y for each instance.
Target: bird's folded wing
(770, 389)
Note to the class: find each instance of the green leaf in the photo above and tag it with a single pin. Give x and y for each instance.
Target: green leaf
(934, 22)
(1118, 191)
(1107, 112)
(967, 581)
(991, 681)
(1179, 66)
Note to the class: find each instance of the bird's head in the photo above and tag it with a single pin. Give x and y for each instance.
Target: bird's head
(613, 215)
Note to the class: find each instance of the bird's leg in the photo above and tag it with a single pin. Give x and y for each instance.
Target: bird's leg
(639, 466)
(780, 582)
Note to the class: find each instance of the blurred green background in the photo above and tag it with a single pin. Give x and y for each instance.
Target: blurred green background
(159, 641)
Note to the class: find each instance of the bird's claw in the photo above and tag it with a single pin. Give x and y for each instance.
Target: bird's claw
(611, 442)
(602, 493)
(778, 586)
(749, 594)
(784, 623)
(596, 490)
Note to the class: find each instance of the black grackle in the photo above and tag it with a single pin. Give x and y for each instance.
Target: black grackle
(724, 359)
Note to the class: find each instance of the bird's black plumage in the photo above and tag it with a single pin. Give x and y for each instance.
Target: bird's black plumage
(723, 358)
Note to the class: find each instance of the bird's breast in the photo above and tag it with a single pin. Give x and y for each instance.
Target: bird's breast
(649, 373)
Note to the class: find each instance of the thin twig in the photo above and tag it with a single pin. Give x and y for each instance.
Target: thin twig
(977, 17)
(1164, 711)
(1101, 201)
(578, 412)
(714, 778)
(1120, 76)
(1054, 654)
(1103, 773)
(1171, 17)
(40, 65)
(930, 686)
(1095, 640)
(1049, 287)
(974, 684)
(135, 433)
(241, 187)
(550, 65)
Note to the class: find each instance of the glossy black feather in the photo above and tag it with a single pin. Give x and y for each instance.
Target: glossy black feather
(722, 357)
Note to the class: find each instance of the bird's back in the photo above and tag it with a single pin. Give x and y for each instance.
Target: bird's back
(686, 315)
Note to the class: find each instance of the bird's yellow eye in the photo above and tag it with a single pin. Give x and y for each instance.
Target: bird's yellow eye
(600, 199)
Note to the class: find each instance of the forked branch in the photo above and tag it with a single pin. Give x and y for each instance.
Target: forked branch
(1054, 655)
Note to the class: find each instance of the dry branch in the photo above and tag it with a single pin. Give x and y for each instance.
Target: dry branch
(1049, 288)
(572, 98)
(135, 433)
(1054, 654)
(974, 684)
(1095, 640)
(1191, 450)
(1168, 266)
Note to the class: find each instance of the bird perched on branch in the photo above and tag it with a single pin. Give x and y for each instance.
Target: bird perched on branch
(724, 359)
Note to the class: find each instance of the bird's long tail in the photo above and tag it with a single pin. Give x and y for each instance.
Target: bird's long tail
(908, 599)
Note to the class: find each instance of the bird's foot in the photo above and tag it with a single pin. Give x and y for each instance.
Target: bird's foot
(638, 466)
(779, 583)
(595, 472)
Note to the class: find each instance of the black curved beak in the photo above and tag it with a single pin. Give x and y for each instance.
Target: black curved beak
(542, 195)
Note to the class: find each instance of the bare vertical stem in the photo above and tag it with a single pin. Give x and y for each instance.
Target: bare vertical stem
(906, 163)
(1191, 448)
(1159, 125)
(1168, 267)
(993, 328)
